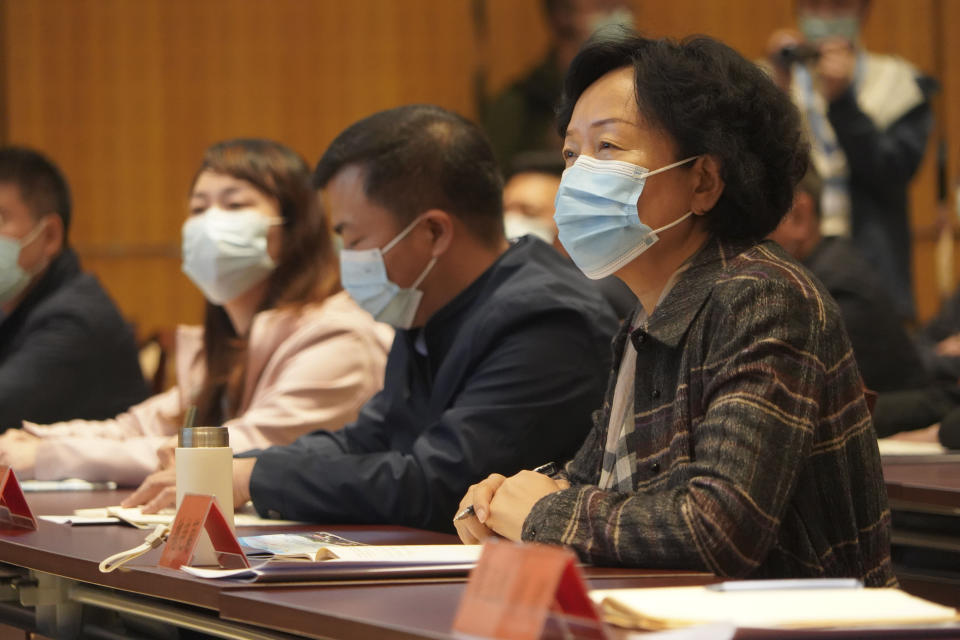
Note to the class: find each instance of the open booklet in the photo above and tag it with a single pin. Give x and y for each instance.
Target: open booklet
(763, 604)
(321, 546)
(325, 556)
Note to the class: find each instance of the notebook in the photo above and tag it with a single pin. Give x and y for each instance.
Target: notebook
(789, 608)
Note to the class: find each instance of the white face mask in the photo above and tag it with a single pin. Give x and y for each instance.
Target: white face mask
(364, 277)
(225, 252)
(517, 225)
(13, 277)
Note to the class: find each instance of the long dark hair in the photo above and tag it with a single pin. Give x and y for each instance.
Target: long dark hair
(306, 268)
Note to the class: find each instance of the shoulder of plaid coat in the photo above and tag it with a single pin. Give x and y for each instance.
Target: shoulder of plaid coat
(754, 454)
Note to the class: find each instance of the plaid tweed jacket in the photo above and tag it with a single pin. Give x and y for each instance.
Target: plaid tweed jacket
(755, 452)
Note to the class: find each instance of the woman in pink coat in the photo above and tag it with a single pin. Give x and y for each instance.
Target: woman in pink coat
(283, 351)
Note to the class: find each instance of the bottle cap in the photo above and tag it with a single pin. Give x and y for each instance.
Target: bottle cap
(203, 437)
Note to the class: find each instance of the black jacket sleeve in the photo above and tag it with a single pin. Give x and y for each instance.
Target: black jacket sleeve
(880, 157)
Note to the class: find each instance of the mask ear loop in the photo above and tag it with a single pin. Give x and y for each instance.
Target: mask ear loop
(670, 166)
(416, 283)
(400, 236)
(674, 223)
(33, 235)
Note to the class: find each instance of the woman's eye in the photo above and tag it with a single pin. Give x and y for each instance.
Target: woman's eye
(233, 206)
(604, 145)
(195, 211)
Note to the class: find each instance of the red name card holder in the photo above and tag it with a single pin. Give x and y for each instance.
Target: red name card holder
(527, 592)
(199, 513)
(14, 511)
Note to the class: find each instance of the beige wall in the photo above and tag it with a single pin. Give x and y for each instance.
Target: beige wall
(126, 94)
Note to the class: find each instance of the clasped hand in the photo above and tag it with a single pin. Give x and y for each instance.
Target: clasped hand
(501, 505)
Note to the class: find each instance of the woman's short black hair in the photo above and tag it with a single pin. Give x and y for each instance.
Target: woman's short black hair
(710, 100)
(420, 157)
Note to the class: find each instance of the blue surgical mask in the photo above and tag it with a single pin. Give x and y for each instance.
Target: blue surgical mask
(225, 252)
(816, 28)
(364, 276)
(596, 214)
(13, 277)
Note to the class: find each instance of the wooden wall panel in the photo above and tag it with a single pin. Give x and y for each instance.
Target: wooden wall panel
(126, 95)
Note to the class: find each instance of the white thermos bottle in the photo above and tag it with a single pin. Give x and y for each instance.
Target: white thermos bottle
(205, 465)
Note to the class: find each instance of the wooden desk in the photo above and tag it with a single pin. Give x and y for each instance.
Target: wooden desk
(394, 613)
(930, 487)
(64, 560)
(64, 563)
(924, 500)
(75, 552)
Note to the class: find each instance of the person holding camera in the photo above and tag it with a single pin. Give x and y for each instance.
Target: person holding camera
(868, 117)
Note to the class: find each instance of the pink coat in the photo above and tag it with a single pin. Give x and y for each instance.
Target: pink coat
(306, 370)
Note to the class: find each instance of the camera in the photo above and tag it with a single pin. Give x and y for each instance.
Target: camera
(797, 54)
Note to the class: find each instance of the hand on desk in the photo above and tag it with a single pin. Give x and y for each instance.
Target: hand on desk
(18, 449)
(502, 504)
(159, 490)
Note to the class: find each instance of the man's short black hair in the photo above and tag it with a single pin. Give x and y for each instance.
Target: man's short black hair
(421, 157)
(42, 186)
(710, 100)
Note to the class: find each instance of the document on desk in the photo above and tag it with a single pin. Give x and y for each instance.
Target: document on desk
(319, 559)
(793, 608)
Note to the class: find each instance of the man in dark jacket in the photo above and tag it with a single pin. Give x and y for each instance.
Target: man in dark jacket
(868, 118)
(501, 350)
(886, 355)
(65, 351)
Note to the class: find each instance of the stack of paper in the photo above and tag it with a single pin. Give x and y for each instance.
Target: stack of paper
(793, 608)
(893, 447)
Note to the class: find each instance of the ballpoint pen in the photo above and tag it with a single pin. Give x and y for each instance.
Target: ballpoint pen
(547, 469)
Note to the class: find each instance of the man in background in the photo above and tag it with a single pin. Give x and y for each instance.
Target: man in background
(885, 353)
(868, 117)
(521, 118)
(65, 351)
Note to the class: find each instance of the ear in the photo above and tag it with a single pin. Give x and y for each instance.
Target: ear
(52, 236)
(439, 224)
(707, 184)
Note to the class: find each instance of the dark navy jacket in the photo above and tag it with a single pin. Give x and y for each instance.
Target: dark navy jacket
(514, 367)
(65, 352)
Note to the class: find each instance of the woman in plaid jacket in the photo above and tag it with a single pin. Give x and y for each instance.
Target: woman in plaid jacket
(734, 436)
